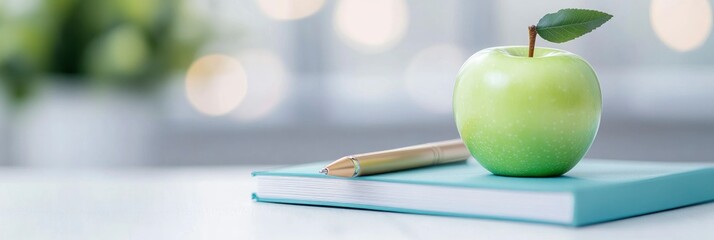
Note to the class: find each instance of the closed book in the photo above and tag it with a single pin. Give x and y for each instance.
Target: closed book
(594, 191)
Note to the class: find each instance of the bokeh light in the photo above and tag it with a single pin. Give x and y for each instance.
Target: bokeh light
(289, 9)
(371, 25)
(216, 84)
(682, 25)
(269, 81)
(431, 75)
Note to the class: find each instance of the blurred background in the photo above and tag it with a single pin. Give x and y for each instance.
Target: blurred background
(133, 83)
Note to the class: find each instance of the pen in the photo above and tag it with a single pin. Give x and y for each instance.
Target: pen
(398, 159)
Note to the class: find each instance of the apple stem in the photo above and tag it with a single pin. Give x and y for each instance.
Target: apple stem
(531, 44)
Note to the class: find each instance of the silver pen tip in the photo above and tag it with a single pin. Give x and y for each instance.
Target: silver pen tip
(324, 171)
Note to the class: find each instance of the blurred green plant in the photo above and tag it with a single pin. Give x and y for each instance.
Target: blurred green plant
(131, 44)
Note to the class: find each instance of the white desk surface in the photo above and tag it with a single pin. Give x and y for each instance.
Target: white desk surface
(215, 203)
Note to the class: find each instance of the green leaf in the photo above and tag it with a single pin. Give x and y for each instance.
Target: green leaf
(569, 24)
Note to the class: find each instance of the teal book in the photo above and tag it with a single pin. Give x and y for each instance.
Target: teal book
(594, 191)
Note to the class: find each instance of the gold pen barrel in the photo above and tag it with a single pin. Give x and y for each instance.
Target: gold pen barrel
(411, 157)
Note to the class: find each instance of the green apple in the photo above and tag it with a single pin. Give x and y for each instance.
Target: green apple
(527, 116)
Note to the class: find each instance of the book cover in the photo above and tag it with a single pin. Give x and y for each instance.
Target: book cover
(594, 191)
